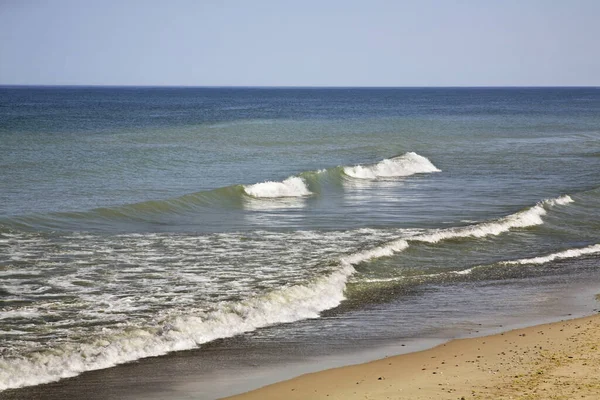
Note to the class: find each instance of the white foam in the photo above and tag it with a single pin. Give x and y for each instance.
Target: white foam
(175, 332)
(560, 201)
(182, 332)
(404, 278)
(291, 187)
(404, 165)
(522, 219)
(529, 217)
(571, 253)
(25, 314)
(381, 251)
(462, 272)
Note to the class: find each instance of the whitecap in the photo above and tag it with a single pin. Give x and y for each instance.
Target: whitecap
(405, 165)
(570, 253)
(291, 187)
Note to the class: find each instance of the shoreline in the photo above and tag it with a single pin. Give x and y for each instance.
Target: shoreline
(555, 360)
(234, 367)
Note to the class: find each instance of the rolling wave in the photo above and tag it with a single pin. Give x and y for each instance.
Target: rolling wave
(176, 333)
(291, 187)
(239, 196)
(401, 166)
(529, 217)
(522, 219)
(186, 331)
(565, 254)
(570, 253)
(562, 255)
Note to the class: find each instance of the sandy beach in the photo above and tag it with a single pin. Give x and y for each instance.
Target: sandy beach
(560, 360)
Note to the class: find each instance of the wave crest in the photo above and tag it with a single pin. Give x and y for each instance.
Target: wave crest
(177, 333)
(182, 332)
(405, 165)
(522, 219)
(291, 187)
(570, 253)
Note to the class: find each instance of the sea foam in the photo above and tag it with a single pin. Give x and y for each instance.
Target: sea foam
(570, 253)
(183, 332)
(404, 165)
(522, 219)
(565, 254)
(177, 332)
(190, 330)
(291, 187)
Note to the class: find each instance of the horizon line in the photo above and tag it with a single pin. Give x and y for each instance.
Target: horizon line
(292, 86)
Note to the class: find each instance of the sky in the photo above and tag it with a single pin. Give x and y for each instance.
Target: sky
(300, 42)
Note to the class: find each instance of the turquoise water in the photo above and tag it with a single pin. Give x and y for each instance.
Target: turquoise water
(140, 221)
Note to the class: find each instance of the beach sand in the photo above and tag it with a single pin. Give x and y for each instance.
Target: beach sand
(560, 360)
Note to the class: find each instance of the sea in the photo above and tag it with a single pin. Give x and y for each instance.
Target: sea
(284, 225)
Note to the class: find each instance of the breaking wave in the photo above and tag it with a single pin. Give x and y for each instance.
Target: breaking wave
(522, 219)
(239, 196)
(291, 187)
(177, 332)
(570, 253)
(565, 254)
(183, 332)
(404, 165)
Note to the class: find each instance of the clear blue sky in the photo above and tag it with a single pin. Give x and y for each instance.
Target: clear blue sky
(300, 42)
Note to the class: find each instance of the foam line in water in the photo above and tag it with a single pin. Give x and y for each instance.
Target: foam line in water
(182, 332)
(381, 251)
(177, 333)
(404, 165)
(187, 331)
(291, 187)
(566, 254)
(570, 253)
(522, 219)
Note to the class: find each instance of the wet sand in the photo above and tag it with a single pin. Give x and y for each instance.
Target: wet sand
(560, 360)
(235, 365)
